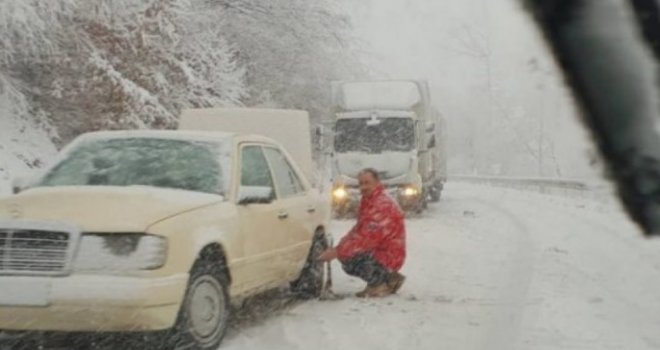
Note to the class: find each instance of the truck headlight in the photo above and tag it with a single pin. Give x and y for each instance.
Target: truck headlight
(410, 191)
(113, 252)
(339, 193)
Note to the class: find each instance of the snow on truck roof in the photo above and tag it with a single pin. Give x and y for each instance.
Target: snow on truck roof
(377, 113)
(379, 94)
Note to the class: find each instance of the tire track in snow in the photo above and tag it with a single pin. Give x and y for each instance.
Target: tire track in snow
(512, 301)
(597, 279)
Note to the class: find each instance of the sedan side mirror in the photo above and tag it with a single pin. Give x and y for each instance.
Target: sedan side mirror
(255, 195)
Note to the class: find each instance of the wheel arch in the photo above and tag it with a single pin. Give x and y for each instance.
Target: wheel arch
(215, 251)
(320, 231)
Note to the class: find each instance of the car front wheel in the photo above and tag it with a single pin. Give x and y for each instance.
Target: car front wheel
(204, 314)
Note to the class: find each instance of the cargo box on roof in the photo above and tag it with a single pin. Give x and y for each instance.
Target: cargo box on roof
(290, 128)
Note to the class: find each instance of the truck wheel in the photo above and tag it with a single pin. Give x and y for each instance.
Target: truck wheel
(435, 195)
(204, 314)
(420, 206)
(310, 282)
(436, 191)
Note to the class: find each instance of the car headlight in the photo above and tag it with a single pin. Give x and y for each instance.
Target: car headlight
(339, 193)
(410, 191)
(114, 252)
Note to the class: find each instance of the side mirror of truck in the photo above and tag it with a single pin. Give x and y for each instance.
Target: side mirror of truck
(431, 142)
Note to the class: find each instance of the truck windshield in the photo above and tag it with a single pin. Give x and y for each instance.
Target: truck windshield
(391, 134)
(177, 164)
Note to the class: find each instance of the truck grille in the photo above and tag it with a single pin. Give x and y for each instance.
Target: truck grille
(24, 251)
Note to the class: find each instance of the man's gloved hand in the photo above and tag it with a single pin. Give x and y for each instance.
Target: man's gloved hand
(328, 255)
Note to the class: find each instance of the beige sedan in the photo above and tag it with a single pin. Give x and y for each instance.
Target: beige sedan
(157, 231)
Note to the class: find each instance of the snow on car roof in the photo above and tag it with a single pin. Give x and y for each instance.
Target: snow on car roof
(161, 134)
(208, 136)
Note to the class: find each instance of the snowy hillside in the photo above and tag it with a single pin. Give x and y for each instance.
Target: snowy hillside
(68, 67)
(21, 152)
(24, 144)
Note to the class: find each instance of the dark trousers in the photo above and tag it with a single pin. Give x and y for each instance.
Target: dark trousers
(364, 266)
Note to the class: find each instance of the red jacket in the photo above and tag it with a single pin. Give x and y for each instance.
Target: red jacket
(380, 230)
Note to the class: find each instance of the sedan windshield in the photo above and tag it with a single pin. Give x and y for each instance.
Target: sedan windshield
(387, 134)
(165, 163)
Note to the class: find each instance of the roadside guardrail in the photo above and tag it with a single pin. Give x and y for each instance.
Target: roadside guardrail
(542, 185)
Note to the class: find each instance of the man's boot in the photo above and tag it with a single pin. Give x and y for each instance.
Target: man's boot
(363, 293)
(395, 281)
(377, 291)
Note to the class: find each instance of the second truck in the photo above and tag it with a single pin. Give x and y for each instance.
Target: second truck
(392, 127)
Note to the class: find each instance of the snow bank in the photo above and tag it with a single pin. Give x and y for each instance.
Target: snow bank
(25, 137)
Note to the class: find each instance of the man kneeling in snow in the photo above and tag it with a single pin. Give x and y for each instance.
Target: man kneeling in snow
(375, 248)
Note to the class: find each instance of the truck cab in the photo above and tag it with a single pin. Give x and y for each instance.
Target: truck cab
(391, 127)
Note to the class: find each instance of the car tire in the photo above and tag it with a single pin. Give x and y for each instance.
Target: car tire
(204, 315)
(18, 341)
(310, 283)
(17, 345)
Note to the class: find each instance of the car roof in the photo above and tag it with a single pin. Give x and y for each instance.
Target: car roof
(207, 136)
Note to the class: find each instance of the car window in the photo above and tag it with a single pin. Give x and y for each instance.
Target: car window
(176, 164)
(255, 172)
(286, 178)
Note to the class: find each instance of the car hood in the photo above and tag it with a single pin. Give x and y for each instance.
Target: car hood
(103, 209)
(389, 164)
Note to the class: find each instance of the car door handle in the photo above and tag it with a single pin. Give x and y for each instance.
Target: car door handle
(311, 210)
(283, 215)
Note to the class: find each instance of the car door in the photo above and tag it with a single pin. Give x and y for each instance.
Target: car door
(300, 210)
(260, 222)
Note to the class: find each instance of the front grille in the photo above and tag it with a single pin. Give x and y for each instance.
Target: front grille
(24, 251)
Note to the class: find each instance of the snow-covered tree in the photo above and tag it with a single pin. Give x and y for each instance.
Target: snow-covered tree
(292, 49)
(29, 32)
(146, 61)
(97, 64)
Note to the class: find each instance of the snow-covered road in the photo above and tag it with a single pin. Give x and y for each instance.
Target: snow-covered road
(492, 268)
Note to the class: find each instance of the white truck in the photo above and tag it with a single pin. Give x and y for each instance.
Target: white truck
(392, 127)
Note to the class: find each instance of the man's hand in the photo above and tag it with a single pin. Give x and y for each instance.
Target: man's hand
(328, 255)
